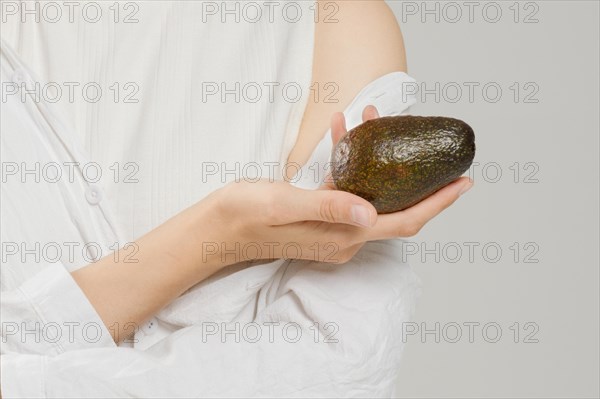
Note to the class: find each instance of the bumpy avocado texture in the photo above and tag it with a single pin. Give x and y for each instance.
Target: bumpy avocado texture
(395, 162)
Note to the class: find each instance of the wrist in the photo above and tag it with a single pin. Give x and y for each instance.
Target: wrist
(204, 229)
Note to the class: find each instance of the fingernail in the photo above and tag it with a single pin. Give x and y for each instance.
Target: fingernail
(466, 187)
(361, 215)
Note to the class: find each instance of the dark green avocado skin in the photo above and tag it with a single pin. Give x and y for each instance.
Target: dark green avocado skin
(396, 161)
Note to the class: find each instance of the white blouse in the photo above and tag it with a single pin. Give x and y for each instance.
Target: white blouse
(170, 100)
(322, 330)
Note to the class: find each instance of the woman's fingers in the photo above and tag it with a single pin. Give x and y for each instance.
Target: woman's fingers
(338, 127)
(338, 130)
(435, 204)
(370, 112)
(338, 122)
(409, 222)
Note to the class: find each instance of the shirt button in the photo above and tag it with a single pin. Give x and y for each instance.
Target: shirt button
(93, 195)
(150, 326)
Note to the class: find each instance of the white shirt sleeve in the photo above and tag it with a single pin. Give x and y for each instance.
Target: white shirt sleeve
(181, 365)
(49, 314)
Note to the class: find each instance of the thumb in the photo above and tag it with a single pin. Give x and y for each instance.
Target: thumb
(331, 206)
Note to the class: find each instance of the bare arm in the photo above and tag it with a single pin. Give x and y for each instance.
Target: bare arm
(364, 44)
(169, 260)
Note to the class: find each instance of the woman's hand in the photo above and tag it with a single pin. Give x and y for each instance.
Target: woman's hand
(273, 219)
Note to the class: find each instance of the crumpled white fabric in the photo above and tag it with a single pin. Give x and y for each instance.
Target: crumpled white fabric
(367, 299)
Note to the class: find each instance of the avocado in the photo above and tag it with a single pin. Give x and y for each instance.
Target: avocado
(396, 161)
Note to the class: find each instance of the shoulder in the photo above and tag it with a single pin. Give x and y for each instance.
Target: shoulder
(362, 43)
(356, 42)
(359, 42)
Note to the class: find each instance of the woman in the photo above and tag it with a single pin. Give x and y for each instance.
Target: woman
(188, 229)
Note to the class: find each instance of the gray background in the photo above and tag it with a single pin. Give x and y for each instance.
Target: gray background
(550, 209)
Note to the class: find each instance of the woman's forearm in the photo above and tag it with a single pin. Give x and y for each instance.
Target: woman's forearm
(128, 287)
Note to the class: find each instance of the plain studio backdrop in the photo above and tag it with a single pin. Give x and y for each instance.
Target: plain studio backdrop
(510, 304)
